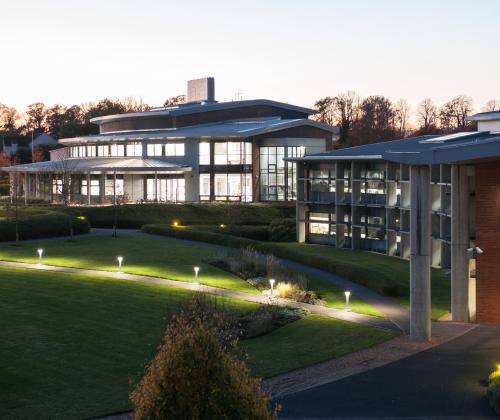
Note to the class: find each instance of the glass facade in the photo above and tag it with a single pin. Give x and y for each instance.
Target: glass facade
(107, 150)
(165, 149)
(166, 189)
(277, 177)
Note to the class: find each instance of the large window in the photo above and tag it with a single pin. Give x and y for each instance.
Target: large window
(166, 189)
(204, 153)
(134, 149)
(94, 186)
(227, 187)
(277, 177)
(165, 149)
(110, 187)
(232, 153)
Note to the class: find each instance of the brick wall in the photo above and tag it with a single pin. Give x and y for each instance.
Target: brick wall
(488, 239)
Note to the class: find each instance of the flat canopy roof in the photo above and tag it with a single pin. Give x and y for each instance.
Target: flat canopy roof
(484, 116)
(227, 129)
(195, 108)
(423, 150)
(74, 165)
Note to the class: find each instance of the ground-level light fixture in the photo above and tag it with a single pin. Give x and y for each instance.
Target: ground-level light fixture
(176, 223)
(196, 271)
(120, 261)
(222, 225)
(271, 282)
(40, 255)
(347, 294)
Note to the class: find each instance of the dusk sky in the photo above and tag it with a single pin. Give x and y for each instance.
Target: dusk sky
(60, 51)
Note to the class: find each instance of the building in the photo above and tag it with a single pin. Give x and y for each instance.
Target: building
(431, 199)
(10, 143)
(203, 150)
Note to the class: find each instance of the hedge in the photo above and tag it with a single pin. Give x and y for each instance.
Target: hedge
(355, 272)
(134, 216)
(42, 226)
(4, 189)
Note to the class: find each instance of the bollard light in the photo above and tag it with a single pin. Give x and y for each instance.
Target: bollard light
(40, 255)
(271, 282)
(120, 260)
(196, 271)
(347, 294)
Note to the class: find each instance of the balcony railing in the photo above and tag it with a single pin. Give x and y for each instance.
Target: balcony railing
(373, 199)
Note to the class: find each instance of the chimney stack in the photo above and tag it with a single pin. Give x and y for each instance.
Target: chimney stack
(201, 90)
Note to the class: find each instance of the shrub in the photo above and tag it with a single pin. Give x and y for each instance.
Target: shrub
(4, 189)
(282, 230)
(493, 392)
(42, 226)
(267, 318)
(197, 372)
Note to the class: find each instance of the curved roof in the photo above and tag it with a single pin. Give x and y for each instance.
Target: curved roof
(123, 164)
(484, 116)
(195, 108)
(225, 129)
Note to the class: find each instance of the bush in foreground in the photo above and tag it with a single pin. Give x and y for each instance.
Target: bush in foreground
(197, 372)
(494, 390)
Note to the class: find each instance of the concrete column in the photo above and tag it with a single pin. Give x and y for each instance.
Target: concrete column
(420, 254)
(459, 244)
(88, 188)
(26, 188)
(102, 188)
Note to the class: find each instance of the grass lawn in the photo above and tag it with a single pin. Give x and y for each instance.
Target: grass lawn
(386, 275)
(382, 271)
(141, 255)
(154, 256)
(311, 340)
(75, 343)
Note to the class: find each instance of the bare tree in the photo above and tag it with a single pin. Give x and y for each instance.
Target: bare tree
(64, 171)
(427, 115)
(402, 112)
(452, 114)
(133, 104)
(491, 105)
(175, 100)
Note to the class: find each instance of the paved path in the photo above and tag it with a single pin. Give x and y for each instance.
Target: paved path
(392, 310)
(446, 381)
(257, 298)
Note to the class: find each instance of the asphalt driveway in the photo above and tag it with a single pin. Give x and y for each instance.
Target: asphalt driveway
(445, 381)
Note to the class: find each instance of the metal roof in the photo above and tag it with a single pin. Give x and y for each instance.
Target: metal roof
(225, 129)
(195, 108)
(75, 165)
(484, 116)
(423, 150)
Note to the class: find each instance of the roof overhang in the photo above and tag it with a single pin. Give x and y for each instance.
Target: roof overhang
(326, 158)
(449, 153)
(484, 116)
(100, 165)
(187, 109)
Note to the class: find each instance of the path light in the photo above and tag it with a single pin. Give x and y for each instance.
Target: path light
(271, 282)
(222, 225)
(176, 223)
(120, 260)
(196, 271)
(40, 255)
(347, 294)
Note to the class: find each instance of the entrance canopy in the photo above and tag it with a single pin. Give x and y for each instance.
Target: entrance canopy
(101, 165)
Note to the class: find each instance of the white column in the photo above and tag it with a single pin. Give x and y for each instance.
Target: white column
(88, 188)
(114, 188)
(459, 244)
(156, 187)
(420, 254)
(26, 188)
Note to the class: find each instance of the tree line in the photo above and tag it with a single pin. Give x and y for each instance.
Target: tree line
(376, 118)
(61, 121)
(360, 120)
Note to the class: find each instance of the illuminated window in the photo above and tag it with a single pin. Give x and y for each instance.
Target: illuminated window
(134, 149)
(174, 149)
(109, 189)
(204, 186)
(204, 153)
(91, 152)
(94, 186)
(103, 150)
(155, 149)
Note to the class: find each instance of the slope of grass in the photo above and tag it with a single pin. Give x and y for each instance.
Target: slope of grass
(386, 275)
(73, 345)
(310, 340)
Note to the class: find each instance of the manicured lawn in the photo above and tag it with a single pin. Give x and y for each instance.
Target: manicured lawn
(308, 341)
(72, 345)
(147, 256)
(386, 275)
(158, 257)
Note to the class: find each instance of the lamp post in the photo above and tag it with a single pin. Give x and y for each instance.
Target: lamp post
(271, 282)
(196, 271)
(40, 255)
(120, 260)
(347, 294)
